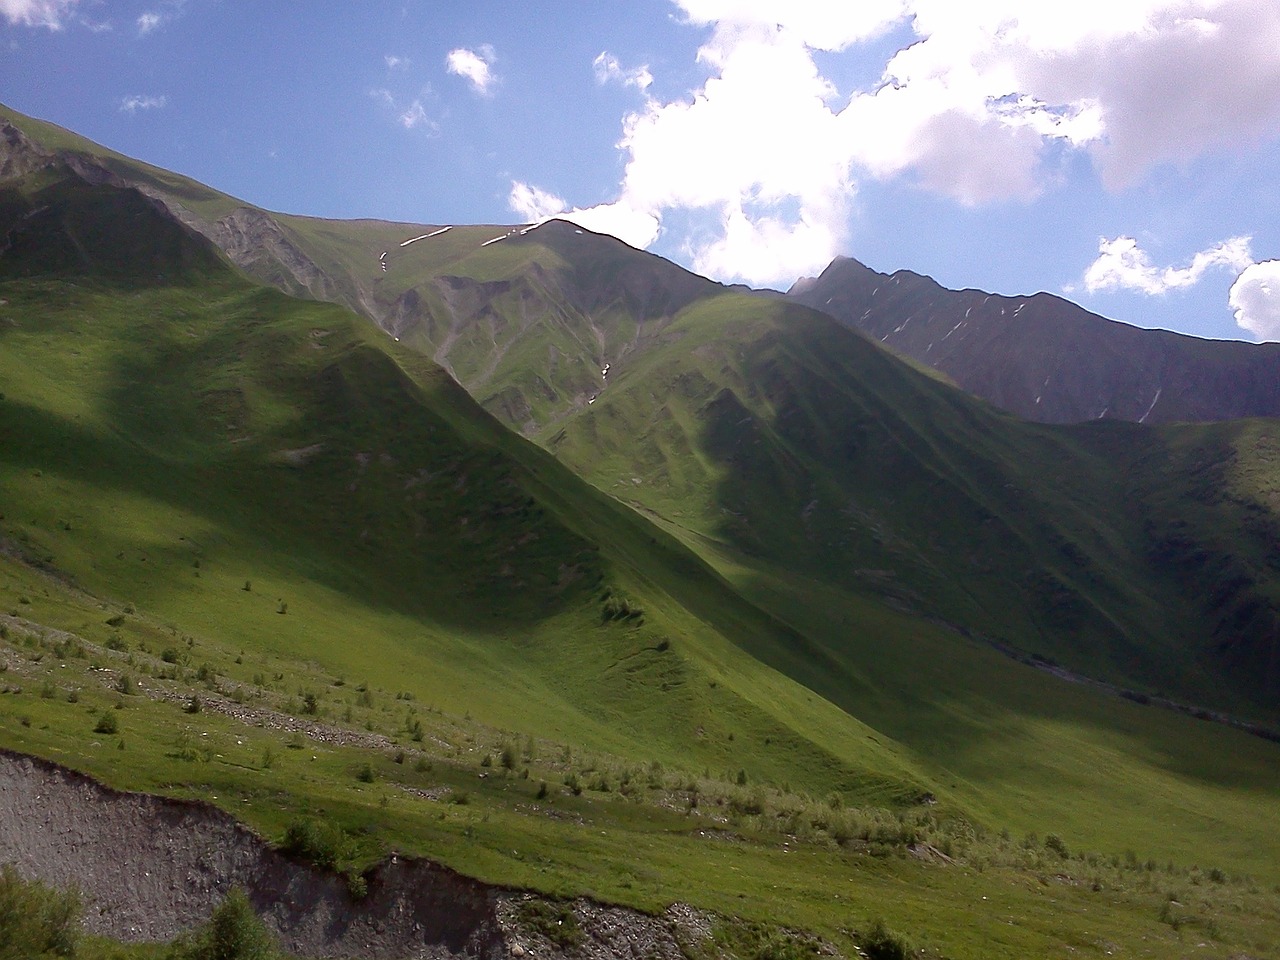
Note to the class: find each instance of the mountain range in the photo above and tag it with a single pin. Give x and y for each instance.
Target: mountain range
(567, 491)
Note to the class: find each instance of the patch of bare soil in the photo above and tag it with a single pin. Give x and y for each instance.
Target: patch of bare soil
(150, 867)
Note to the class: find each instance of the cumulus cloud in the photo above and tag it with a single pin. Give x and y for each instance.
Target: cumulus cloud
(51, 14)
(608, 69)
(979, 104)
(474, 66)
(1255, 298)
(1124, 265)
(532, 203)
(142, 102)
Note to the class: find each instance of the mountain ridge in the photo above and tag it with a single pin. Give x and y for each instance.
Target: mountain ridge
(1045, 358)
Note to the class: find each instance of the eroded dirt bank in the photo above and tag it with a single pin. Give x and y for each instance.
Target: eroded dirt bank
(150, 867)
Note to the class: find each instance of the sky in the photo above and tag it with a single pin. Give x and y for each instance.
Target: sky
(1122, 153)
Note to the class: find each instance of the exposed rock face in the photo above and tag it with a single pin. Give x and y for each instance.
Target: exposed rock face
(151, 867)
(1046, 359)
(257, 245)
(251, 238)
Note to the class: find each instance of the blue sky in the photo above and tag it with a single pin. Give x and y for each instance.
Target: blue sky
(1125, 155)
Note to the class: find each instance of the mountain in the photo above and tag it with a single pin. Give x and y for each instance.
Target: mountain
(770, 615)
(759, 429)
(1044, 358)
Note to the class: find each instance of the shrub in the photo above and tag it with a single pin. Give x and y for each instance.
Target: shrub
(36, 920)
(107, 723)
(365, 774)
(552, 920)
(1055, 844)
(320, 844)
(233, 932)
(879, 943)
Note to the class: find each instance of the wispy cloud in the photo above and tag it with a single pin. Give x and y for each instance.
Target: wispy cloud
(411, 117)
(142, 102)
(415, 115)
(51, 14)
(608, 69)
(476, 66)
(394, 62)
(1123, 265)
(149, 22)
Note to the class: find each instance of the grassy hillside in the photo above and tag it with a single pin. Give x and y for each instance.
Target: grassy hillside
(762, 429)
(212, 492)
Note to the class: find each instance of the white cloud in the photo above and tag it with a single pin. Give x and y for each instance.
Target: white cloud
(148, 22)
(1255, 298)
(620, 219)
(980, 108)
(38, 13)
(1122, 264)
(475, 67)
(607, 68)
(532, 203)
(142, 102)
(393, 62)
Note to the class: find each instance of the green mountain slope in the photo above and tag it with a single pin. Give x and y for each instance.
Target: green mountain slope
(270, 440)
(297, 494)
(761, 427)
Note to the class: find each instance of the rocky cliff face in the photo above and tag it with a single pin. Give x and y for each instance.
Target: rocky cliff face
(1046, 359)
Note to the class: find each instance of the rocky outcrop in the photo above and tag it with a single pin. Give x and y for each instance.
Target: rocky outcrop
(151, 867)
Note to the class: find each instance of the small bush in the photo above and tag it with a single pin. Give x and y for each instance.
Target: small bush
(234, 932)
(107, 723)
(508, 758)
(879, 943)
(365, 774)
(36, 920)
(193, 705)
(550, 919)
(318, 843)
(1055, 844)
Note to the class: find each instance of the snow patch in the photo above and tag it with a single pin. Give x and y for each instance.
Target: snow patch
(427, 236)
(1154, 401)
